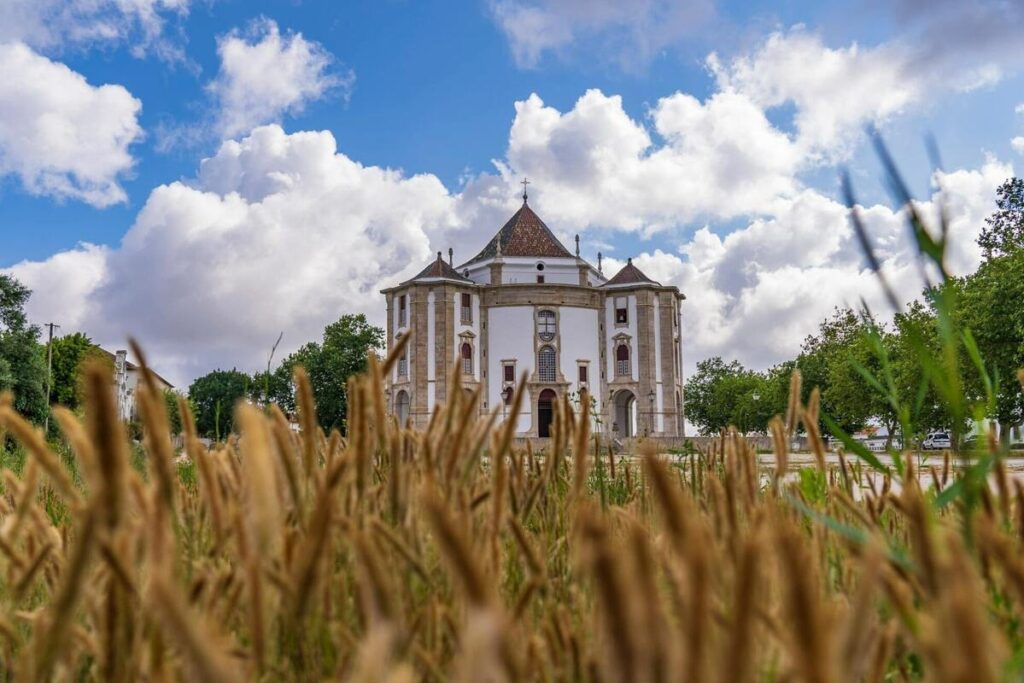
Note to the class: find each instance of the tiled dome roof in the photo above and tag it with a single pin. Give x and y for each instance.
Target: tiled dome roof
(524, 235)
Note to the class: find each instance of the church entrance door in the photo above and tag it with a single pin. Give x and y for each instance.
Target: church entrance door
(625, 414)
(545, 413)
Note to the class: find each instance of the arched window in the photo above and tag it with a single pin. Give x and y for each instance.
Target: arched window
(622, 361)
(546, 325)
(467, 359)
(402, 408)
(546, 364)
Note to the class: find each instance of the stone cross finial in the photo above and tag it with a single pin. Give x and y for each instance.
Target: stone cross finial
(524, 182)
(599, 262)
(577, 246)
(450, 252)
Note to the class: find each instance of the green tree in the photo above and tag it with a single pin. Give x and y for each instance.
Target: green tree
(915, 333)
(70, 353)
(173, 411)
(341, 354)
(990, 306)
(275, 387)
(1004, 230)
(22, 364)
(721, 394)
(829, 359)
(213, 398)
(703, 406)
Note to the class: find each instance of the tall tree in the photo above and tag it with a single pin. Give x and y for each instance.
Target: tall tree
(213, 397)
(70, 354)
(828, 360)
(720, 394)
(990, 306)
(21, 356)
(341, 354)
(1004, 230)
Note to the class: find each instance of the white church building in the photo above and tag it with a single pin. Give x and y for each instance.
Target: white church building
(527, 305)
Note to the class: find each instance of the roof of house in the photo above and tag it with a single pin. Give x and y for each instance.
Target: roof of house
(439, 269)
(630, 275)
(525, 234)
(132, 366)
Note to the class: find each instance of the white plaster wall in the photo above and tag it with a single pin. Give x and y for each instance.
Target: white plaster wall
(431, 370)
(524, 271)
(480, 274)
(473, 327)
(611, 330)
(580, 341)
(510, 336)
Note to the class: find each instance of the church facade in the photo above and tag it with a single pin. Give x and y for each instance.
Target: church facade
(526, 305)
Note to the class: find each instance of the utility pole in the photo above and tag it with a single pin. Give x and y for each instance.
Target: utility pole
(49, 374)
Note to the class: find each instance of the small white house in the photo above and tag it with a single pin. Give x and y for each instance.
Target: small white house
(126, 379)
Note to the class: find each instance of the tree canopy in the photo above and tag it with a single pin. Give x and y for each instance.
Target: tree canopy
(873, 373)
(213, 397)
(341, 353)
(22, 364)
(70, 354)
(1003, 233)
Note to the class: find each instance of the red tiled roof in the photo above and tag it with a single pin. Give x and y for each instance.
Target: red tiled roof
(524, 235)
(630, 275)
(439, 268)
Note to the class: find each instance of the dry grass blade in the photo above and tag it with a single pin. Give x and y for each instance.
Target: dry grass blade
(205, 653)
(33, 441)
(465, 553)
(457, 551)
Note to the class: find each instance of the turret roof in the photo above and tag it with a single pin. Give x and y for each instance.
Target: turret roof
(630, 275)
(439, 269)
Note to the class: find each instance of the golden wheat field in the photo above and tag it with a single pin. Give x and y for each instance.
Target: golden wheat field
(451, 555)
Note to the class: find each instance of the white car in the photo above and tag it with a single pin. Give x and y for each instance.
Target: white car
(937, 441)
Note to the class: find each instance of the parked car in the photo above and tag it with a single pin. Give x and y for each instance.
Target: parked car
(937, 441)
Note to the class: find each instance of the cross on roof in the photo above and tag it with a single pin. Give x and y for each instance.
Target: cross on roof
(524, 182)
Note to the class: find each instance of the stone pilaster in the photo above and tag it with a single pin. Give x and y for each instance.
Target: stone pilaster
(667, 301)
(420, 411)
(645, 360)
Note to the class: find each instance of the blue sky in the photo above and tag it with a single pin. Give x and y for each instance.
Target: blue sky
(430, 90)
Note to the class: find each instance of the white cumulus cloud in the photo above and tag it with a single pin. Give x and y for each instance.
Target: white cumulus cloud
(265, 75)
(285, 232)
(595, 166)
(64, 285)
(60, 135)
(54, 25)
(277, 233)
(754, 293)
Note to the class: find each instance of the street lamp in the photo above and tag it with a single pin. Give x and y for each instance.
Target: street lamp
(650, 422)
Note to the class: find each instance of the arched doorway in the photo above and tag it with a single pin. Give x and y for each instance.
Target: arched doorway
(545, 413)
(402, 408)
(625, 413)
